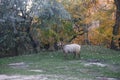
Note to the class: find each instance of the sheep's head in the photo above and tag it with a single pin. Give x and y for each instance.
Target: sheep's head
(60, 45)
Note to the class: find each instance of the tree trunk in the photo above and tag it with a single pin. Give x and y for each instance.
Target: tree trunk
(117, 24)
(86, 40)
(33, 43)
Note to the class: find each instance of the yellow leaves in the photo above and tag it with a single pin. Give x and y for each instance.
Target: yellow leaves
(35, 20)
(87, 21)
(108, 32)
(101, 38)
(76, 16)
(116, 39)
(88, 11)
(78, 40)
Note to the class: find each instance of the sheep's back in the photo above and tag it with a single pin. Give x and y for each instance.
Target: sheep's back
(76, 47)
(71, 48)
(68, 48)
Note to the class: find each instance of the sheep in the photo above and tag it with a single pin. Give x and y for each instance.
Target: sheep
(72, 48)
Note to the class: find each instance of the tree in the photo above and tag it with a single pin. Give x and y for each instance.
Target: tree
(89, 14)
(16, 17)
(116, 27)
(79, 14)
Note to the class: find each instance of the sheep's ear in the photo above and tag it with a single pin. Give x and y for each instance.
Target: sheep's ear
(59, 44)
(62, 43)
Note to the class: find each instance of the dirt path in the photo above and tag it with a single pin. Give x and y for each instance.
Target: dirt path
(47, 77)
(39, 77)
(23, 65)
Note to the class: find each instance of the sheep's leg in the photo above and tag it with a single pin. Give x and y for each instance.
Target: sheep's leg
(65, 55)
(79, 56)
(74, 55)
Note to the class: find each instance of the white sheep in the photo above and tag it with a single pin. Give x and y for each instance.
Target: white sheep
(72, 48)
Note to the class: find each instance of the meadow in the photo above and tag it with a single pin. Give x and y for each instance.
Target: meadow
(96, 63)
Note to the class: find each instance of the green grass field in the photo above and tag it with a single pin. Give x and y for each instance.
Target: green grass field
(96, 62)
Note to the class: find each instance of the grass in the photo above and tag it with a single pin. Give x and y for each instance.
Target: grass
(54, 63)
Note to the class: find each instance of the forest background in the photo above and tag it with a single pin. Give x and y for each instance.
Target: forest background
(37, 25)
